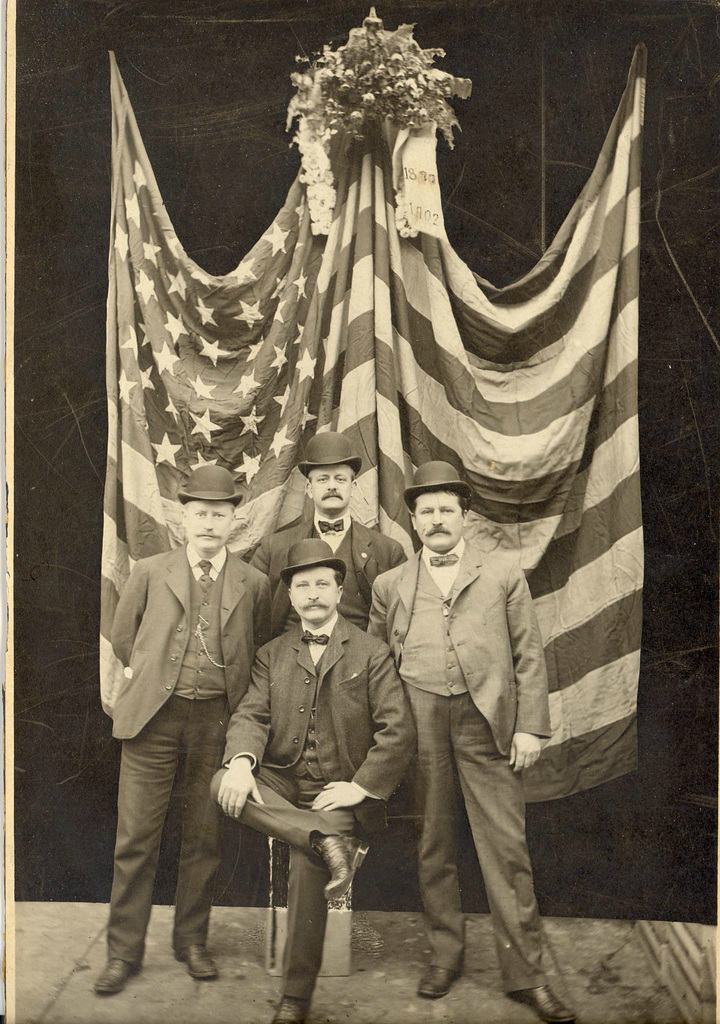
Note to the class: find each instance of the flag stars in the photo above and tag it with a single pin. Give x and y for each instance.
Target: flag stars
(166, 358)
(279, 442)
(178, 285)
(250, 466)
(279, 360)
(282, 399)
(202, 461)
(211, 350)
(250, 422)
(175, 327)
(307, 417)
(254, 349)
(202, 390)
(250, 313)
(132, 210)
(276, 237)
(172, 410)
(206, 312)
(150, 252)
(204, 425)
(306, 366)
(244, 273)
(131, 342)
(247, 385)
(300, 283)
(145, 379)
(278, 287)
(165, 451)
(139, 177)
(121, 242)
(126, 387)
(200, 275)
(146, 287)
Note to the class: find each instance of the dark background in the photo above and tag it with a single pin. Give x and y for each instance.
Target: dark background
(209, 85)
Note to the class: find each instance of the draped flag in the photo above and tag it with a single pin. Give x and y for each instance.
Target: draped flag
(530, 390)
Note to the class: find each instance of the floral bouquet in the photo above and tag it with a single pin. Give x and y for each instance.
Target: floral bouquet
(376, 75)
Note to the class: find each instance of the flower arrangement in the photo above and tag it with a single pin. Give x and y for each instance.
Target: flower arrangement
(377, 74)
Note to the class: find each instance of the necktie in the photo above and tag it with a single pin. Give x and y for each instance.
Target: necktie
(337, 527)
(312, 638)
(206, 579)
(438, 560)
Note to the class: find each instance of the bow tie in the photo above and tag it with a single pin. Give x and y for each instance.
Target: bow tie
(438, 560)
(337, 527)
(312, 638)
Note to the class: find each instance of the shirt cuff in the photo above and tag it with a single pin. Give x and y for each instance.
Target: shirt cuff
(364, 791)
(250, 757)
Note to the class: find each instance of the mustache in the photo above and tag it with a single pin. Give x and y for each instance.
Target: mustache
(331, 494)
(437, 529)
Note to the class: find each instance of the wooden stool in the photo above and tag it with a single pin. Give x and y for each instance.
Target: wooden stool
(336, 951)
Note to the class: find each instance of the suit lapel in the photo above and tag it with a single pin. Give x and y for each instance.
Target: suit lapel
(233, 587)
(178, 577)
(468, 570)
(304, 658)
(362, 553)
(334, 650)
(407, 585)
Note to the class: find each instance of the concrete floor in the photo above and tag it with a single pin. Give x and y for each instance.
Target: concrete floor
(60, 948)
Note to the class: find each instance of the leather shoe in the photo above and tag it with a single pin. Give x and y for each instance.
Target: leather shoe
(436, 982)
(114, 977)
(545, 1004)
(290, 1011)
(343, 855)
(199, 962)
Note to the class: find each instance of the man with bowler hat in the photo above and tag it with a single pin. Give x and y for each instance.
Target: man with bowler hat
(467, 645)
(317, 745)
(186, 630)
(330, 469)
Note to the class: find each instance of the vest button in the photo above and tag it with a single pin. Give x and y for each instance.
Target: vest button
(296, 740)
(173, 657)
(179, 629)
(301, 708)
(168, 687)
(307, 681)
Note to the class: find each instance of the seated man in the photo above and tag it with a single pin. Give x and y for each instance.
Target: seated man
(322, 738)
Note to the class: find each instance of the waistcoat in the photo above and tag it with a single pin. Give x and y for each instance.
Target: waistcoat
(429, 659)
(199, 678)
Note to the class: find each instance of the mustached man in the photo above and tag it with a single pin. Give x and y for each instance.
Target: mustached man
(467, 645)
(186, 630)
(316, 747)
(330, 468)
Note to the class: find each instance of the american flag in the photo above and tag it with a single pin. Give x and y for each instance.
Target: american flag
(530, 390)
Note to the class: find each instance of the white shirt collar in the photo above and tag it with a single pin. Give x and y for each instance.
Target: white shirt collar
(318, 630)
(458, 550)
(217, 561)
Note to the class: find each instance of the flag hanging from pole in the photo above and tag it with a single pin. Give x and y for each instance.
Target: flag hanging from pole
(530, 390)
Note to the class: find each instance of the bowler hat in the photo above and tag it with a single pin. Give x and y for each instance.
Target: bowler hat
(436, 476)
(306, 554)
(329, 449)
(210, 483)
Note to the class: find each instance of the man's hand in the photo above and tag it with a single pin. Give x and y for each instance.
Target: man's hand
(236, 786)
(338, 794)
(524, 751)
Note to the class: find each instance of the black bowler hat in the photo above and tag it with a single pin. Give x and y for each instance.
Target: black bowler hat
(306, 554)
(436, 476)
(329, 449)
(210, 483)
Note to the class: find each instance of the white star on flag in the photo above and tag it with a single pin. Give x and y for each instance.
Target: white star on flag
(301, 282)
(250, 466)
(126, 387)
(172, 410)
(306, 366)
(150, 251)
(174, 246)
(121, 242)
(254, 349)
(276, 236)
(200, 275)
(301, 331)
(279, 360)
(131, 342)
(139, 176)
(250, 313)
(307, 417)
(166, 451)
(166, 358)
(279, 442)
(278, 287)
(206, 313)
(202, 461)
(202, 390)
(210, 349)
(132, 210)
(246, 385)
(178, 284)
(145, 379)
(282, 399)
(243, 273)
(146, 287)
(204, 425)
(278, 315)
(143, 328)
(251, 421)
(175, 327)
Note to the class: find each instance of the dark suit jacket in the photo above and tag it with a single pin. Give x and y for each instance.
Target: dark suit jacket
(364, 726)
(151, 630)
(373, 553)
(495, 634)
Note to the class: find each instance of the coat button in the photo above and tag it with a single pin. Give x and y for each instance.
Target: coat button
(307, 681)
(173, 657)
(302, 708)
(179, 629)
(168, 687)
(296, 740)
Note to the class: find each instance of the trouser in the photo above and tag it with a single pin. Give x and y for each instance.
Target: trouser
(452, 732)
(195, 729)
(286, 815)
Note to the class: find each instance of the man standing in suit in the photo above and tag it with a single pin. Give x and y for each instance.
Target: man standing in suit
(467, 645)
(186, 629)
(321, 740)
(330, 469)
